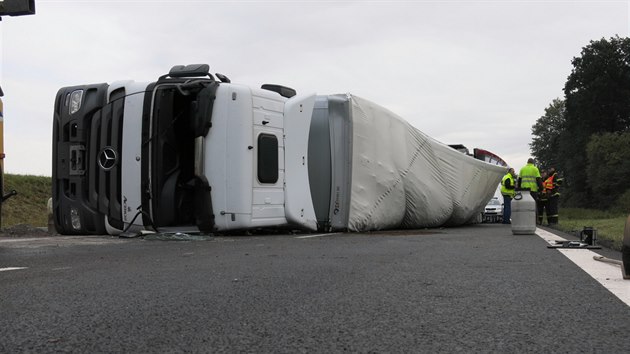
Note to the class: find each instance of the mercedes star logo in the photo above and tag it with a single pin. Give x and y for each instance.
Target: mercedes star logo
(107, 158)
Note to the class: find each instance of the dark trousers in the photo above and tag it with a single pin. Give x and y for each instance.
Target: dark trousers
(542, 205)
(552, 210)
(538, 206)
(507, 208)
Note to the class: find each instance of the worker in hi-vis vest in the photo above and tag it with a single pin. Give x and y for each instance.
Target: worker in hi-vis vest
(508, 186)
(542, 203)
(551, 190)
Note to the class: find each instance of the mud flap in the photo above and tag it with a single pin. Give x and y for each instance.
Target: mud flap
(204, 215)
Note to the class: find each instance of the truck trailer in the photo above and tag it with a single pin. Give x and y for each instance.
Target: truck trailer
(194, 152)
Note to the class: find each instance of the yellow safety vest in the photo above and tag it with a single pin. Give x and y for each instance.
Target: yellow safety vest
(509, 192)
(528, 176)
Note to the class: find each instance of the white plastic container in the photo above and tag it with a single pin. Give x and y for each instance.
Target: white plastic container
(523, 214)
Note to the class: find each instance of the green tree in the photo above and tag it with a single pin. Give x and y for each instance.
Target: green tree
(597, 99)
(608, 167)
(546, 135)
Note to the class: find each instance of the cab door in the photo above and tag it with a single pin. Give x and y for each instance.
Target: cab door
(268, 177)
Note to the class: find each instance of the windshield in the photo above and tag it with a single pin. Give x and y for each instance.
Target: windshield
(180, 115)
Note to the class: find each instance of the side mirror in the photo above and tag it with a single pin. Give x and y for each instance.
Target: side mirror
(282, 90)
(17, 7)
(192, 70)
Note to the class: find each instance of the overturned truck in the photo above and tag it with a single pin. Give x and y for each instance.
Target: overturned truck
(191, 152)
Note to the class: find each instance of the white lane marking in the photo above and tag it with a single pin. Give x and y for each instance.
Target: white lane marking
(62, 268)
(59, 241)
(19, 239)
(12, 268)
(318, 235)
(609, 275)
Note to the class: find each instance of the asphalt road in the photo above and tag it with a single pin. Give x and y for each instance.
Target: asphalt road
(465, 289)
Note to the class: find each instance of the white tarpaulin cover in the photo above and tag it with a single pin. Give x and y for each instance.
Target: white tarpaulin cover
(402, 178)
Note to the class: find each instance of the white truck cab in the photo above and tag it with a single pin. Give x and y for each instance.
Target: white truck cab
(187, 152)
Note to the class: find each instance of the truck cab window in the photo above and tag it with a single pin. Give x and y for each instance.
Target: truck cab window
(267, 158)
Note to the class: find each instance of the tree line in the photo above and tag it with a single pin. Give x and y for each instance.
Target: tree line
(586, 135)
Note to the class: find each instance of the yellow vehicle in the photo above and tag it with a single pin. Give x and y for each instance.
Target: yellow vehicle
(3, 197)
(10, 8)
(1, 135)
(1, 156)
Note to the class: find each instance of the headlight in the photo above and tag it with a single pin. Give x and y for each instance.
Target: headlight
(75, 219)
(75, 101)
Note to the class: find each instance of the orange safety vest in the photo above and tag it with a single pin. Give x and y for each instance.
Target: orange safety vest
(549, 185)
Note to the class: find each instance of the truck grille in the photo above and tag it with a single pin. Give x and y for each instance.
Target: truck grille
(105, 152)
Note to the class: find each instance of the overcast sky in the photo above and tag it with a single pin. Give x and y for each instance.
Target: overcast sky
(479, 73)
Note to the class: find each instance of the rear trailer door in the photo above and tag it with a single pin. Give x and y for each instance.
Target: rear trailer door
(299, 208)
(330, 161)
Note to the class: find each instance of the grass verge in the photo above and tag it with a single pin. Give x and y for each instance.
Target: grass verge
(29, 206)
